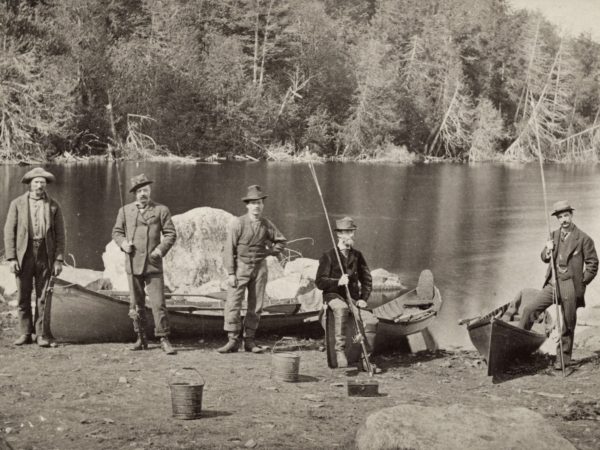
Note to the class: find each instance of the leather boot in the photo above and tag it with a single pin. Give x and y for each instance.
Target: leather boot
(340, 356)
(23, 339)
(141, 343)
(166, 346)
(250, 345)
(232, 345)
(42, 342)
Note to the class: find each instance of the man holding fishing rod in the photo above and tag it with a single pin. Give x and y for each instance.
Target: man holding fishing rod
(354, 277)
(575, 265)
(137, 232)
(34, 239)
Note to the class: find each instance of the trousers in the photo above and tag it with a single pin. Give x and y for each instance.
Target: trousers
(253, 278)
(34, 273)
(343, 322)
(545, 299)
(154, 285)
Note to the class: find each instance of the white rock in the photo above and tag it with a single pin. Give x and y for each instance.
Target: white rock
(289, 287)
(458, 427)
(306, 267)
(8, 284)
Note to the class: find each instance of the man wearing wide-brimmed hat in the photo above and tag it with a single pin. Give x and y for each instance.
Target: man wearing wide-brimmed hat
(250, 239)
(34, 241)
(576, 265)
(333, 281)
(137, 232)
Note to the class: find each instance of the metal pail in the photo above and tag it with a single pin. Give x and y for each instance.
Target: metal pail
(285, 365)
(186, 396)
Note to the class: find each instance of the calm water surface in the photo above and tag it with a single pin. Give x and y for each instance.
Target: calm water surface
(479, 228)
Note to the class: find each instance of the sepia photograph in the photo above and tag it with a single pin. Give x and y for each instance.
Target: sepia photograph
(299, 224)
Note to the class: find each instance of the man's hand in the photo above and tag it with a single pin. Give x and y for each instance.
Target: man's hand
(155, 256)
(232, 281)
(361, 304)
(550, 245)
(57, 269)
(343, 281)
(127, 247)
(14, 266)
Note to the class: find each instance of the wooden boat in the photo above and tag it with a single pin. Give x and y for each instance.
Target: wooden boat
(500, 342)
(84, 316)
(410, 313)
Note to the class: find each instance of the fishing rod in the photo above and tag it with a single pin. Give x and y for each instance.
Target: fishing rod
(355, 311)
(555, 287)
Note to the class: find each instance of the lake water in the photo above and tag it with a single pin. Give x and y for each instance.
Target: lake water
(479, 228)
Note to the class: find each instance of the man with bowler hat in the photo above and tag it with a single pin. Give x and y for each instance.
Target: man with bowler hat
(34, 241)
(137, 232)
(333, 279)
(250, 239)
(576, 265)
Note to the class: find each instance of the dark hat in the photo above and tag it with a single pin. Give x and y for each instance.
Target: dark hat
(562, 206)
(345, 224)
(37, 172)
(254, 193)
(139, 181)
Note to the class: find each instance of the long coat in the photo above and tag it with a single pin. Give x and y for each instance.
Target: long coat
(16, 230)
(355, 266)
(145, 233)
(582, 261)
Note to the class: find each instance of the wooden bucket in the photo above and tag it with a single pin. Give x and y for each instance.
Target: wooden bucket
(285, 365)
(186, 396)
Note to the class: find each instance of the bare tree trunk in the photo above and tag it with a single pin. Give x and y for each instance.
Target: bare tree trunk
(264, 46)
(255, 62)
(446, 115)
(524, 92)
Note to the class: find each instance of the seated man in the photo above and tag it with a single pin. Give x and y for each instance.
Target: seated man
(333, 282)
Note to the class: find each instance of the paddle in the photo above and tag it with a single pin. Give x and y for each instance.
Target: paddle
(288, 308)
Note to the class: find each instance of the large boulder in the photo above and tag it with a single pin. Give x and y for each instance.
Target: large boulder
(457, 427)
(195, 263)
(8, 283)
(306, 267)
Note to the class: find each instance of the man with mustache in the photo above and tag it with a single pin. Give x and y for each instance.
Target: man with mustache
(250, 239)
(576, 265)
(137, 232)
(332, 280)
(34, 242)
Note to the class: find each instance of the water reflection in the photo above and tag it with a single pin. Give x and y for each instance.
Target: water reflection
(479, 228)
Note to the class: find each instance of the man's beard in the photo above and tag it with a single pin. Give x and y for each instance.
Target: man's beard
(347, 242)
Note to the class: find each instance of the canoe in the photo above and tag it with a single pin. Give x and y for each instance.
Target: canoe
(409, 313)
(500, 342)
(80, 315)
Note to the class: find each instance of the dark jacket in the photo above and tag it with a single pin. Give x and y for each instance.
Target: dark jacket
(582, 261)
(145, 233)
(16, 230)
(328, 275)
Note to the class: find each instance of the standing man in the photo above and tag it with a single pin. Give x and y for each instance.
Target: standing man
(332, 280)
(250, 239)
(34, 240)
(137, 232)
(576, 265)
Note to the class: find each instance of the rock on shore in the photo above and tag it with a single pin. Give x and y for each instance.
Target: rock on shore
(457, 427)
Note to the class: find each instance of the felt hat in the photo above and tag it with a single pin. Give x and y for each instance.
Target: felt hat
(345, 224)
(254, 193)
(35, 173)
(561, 206)
(139, 181)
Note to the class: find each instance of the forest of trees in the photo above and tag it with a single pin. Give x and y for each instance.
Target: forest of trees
(461, 79)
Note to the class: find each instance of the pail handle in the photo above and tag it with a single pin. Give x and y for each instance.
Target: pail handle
(170, 378)
(294, 341)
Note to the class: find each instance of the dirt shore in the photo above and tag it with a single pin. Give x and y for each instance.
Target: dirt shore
(106, 397)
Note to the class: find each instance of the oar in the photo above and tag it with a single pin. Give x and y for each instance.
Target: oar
(555, 286)
(288, 308)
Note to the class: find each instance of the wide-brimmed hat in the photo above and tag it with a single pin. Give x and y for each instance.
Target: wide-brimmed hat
(345, 224)
(254, 193)
(561, 206)
(139, 181)
(37, 172)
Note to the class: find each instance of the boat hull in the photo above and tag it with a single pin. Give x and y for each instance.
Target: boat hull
(499, 342)
(79, 315)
